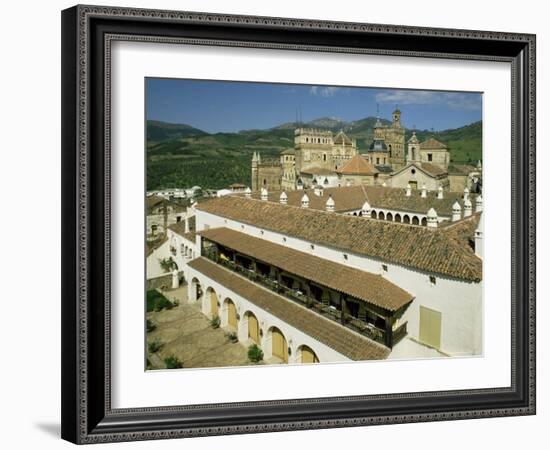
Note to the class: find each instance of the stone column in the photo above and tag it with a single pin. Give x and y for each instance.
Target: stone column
(175, 279)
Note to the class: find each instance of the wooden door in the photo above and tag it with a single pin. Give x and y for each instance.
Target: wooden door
(231, 314)
(253, 329)
(279, 345)
(430, 327)
(309, 356)
(213, 304)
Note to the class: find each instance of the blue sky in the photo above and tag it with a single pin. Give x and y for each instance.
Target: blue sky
(229, 106)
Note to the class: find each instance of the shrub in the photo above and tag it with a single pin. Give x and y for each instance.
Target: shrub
(167, 264)
(157, 302)
(255, 353)
(155, 346)
(215, 322)
(150, 326)
(173, 363)
(232, 337)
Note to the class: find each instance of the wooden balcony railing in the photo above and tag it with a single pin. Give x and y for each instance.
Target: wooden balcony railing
(331, 312)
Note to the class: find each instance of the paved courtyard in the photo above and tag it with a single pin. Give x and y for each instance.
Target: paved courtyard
(186, 334)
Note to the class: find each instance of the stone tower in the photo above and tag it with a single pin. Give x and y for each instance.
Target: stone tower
(395, 141)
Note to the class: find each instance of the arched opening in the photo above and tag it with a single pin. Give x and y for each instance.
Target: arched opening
(381, 215)
(279, 346)
(406, 219)
(424, 222)
(397, 218)
(231, 309)
(253, 327)
(196, 290)
(307, 355)
(212, 298)
(373, 214)
(415, 220)
(389, 216)
(355, 213)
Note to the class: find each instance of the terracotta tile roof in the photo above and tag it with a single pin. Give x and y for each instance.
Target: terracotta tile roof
(153, 200)
(351, 198)
(429, 250)
(432, 144)
(333, 335)
(179, 228)
(461, 169)
(151, 246)
(357, 283)
(358, 165)
(433, 169)
(317, 171)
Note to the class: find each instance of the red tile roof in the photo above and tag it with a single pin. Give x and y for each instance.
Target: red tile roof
(357, 166)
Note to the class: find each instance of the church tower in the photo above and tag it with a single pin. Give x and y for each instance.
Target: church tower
(255, 161)
(395, 140)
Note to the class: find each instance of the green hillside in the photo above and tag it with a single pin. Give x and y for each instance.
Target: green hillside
(179, 155)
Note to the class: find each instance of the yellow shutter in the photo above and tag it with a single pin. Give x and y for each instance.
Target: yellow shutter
(253, 329)
(232, 314)
(430, 327)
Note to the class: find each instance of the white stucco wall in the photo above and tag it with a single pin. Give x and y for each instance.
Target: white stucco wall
(294, 337)
(459, 302)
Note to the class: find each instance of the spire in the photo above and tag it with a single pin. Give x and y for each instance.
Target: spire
(254, 157)
(283, 198)
(456, 212)
(329, 205)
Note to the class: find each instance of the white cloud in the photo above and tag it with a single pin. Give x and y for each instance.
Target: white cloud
(326, 91)
(454, 100)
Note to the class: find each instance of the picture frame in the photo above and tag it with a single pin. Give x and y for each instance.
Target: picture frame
(87, 35)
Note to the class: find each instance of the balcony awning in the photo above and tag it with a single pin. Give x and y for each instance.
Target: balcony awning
(365, 286)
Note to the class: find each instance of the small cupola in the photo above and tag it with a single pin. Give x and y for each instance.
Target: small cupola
(467, 208)
(248, 192)
(424, 192)
(329, 205)
(479, 203)
(408, 190)
(305, 201)
(432, 218)
(366, 210)
(283, 198)
(440, 192)
(263, 194)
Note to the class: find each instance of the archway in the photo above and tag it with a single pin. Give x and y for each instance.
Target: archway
(212, 299)
(381, 215)
(279, 346)
(373, 214)
(406, 219)
(415, 220)
(231, 309)
(307, 355)
(196, 290)
(389, 216)
(253, 327)
(397, 218)
(424, 222)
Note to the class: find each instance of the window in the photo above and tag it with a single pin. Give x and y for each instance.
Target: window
(324, 156)
(377, 160)
(178, 219)
(312, 246)
(384, 267)
(345, 256)
(413, 171)
(432, 280)
(262, 232)
(284, 239)
(430, 157)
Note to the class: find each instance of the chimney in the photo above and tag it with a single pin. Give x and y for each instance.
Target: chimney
(456, 212)
(408, 191)
(467, 208)
(305, 201)
(248, 192)
(440, 192)
(432, 218)
(466, 193)
(478, 238)
(263, 194)
(318, 190)
(283, 198)
(423, 192)
(384, 184)
(479, 203)
(329, 205)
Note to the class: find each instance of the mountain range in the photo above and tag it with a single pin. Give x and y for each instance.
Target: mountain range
(179, 155)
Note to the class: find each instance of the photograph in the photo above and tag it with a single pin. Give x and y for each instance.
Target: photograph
(300, 224)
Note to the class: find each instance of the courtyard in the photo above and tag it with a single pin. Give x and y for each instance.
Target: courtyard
(184, 333)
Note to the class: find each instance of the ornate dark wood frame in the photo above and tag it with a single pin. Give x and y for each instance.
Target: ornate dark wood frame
(87, 33)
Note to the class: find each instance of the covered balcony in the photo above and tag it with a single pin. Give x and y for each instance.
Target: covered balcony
(361, 301)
